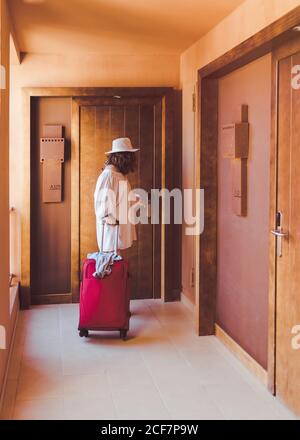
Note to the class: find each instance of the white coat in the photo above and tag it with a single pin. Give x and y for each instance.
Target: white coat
(106, 207)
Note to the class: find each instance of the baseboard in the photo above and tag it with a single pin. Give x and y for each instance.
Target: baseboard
(56, 298)
(13, 296)
(187, 302)
(10, 352)
(248, 361)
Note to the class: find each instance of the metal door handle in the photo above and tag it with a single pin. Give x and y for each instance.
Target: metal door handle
(279, 233)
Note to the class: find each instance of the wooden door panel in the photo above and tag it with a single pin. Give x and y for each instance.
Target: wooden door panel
(99, 125)
(141, 126)
(131, 119)
(132, 124)
(146, 164)
(288, 274)
(92, 155)
(117, 122)
(102, 131)
(283, 205)
(294, 245)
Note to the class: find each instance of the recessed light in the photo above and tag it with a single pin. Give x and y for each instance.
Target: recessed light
(296, 28)
(119, 97)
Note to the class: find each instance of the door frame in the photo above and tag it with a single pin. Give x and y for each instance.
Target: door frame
(264, 42)
(171, 178)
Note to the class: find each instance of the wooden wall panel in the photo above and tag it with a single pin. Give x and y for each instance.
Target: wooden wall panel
(171, 165)
(50, 222)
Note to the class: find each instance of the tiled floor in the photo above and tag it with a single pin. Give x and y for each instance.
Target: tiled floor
(162, 371)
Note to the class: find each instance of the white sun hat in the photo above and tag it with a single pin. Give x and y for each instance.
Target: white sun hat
(122, 145)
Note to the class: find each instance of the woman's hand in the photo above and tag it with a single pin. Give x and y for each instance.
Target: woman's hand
(109, 220)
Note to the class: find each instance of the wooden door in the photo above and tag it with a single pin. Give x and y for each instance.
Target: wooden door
(288, 246)
(99, 125)
(50, 260)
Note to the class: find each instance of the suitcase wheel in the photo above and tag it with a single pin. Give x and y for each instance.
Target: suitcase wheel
(123, 334)
(83, 333)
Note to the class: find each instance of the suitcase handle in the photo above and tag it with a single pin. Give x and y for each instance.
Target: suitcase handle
(81, 272)
(117, 224)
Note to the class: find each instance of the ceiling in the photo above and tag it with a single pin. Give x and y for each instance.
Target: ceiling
(115, 26)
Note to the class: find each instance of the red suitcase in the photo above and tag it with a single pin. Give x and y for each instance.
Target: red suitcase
(104, 302)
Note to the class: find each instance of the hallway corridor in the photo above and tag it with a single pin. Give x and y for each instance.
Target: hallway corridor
(163, 371)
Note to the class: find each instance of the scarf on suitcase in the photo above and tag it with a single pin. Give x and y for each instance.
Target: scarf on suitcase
(104, 262)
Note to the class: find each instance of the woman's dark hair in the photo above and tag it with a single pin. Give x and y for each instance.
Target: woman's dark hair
(124, 162)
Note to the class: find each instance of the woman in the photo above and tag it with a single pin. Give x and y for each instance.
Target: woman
(111, 189)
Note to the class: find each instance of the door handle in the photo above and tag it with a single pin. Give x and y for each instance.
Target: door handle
(279, 233)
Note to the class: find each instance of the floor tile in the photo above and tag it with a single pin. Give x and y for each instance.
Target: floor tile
(89, 408)
(140, 403)
(240, 402)
(39, 386)
(40, 365)
(85, 385)
(49, 409)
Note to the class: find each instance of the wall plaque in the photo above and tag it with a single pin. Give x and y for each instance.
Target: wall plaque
(52, 156)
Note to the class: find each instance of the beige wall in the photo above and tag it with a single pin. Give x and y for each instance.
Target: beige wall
(188, 181)
(245, 21)
(5, 319)
(92, 69)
